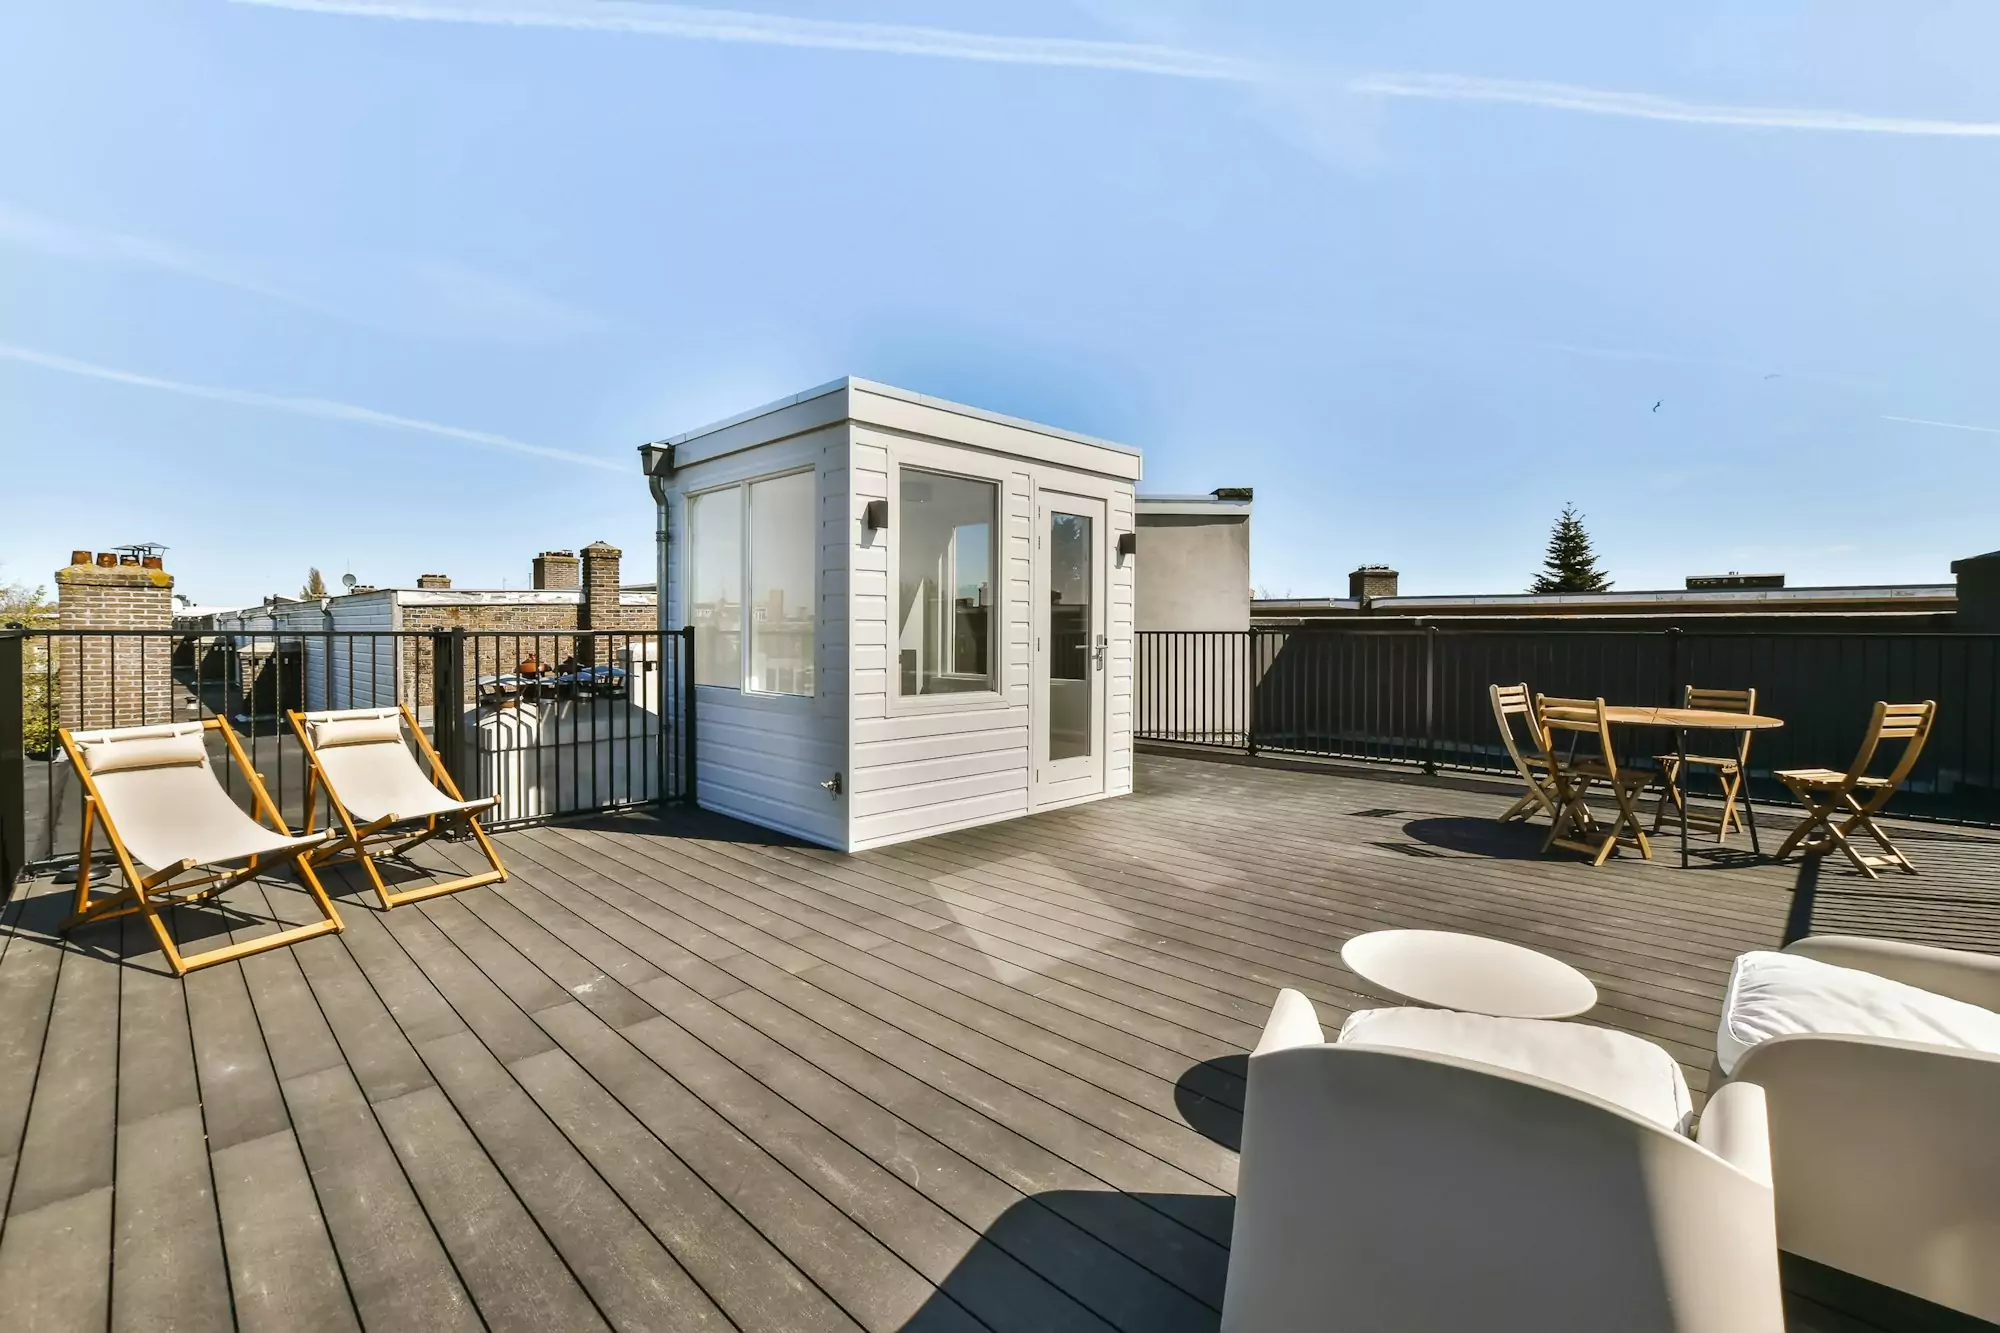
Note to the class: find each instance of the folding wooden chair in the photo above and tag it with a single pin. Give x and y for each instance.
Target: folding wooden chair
(1510, 702)
(1854, 795)
(161, 805)
(1576, 825)
(383, 798)
(1729, 768)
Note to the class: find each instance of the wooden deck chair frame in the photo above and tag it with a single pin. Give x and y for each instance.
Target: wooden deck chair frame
(1729, 769)
(358, 844)
(1576, 825)
(1826, 794)
(146, 894)
(1511, 701)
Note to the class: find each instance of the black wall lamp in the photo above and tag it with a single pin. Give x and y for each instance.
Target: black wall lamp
(1128, 543)
(875, 516)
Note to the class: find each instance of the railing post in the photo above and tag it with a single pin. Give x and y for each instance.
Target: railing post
(1430, 698)
(13, 758)
(448, 701)
(689, 792)
(1674, 666)
(1250, 690)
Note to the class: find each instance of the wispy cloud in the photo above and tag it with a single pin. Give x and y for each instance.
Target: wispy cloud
(1644, 106)
(322, 408)
(1945, 425)
(724, 25)
(391, 293)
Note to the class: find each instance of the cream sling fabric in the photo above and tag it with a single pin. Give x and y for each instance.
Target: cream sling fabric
(361, 759)
(163, 808)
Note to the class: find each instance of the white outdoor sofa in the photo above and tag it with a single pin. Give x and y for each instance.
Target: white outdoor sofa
(1385, 1187)
(1881, 1063)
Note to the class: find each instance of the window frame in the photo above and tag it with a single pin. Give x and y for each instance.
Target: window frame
(745, 520)
(954, 465)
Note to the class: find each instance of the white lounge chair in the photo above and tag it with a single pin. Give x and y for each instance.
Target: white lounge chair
(1390, 1188)
(162, 807)
(383, 798)
(1881, 1061)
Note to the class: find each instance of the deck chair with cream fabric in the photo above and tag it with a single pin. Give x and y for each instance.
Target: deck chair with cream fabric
(383, 798)
(1532, 763)
(162, 806)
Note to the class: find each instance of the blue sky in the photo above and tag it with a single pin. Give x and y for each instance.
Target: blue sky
(397, 285)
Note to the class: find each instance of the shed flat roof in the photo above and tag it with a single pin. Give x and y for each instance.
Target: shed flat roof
(855, 383)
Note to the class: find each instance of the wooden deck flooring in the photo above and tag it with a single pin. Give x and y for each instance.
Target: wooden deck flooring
(679, 1074)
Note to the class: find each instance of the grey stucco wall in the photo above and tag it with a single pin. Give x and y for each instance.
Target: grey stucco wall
(1192, 571)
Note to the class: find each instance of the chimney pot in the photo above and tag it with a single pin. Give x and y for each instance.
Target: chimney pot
(107, 559)
(79, 557)
(152, 562)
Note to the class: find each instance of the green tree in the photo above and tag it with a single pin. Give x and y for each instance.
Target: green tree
(1570, 565)
(315, 585)
(31, 608)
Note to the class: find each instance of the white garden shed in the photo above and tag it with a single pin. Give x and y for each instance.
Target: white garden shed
(910, 615)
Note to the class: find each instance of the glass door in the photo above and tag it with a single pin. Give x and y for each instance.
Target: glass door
(1070, 647)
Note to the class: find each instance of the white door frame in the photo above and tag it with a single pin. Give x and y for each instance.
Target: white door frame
(1062, 780)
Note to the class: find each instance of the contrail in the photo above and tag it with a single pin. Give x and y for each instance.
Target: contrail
(1945, 425)
(304, 407)
(724, 25)
(1644, 106)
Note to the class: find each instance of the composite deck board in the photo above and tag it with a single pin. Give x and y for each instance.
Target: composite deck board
(680, 1073)
(836, 1139)
(969, 996)
(1029, 1097)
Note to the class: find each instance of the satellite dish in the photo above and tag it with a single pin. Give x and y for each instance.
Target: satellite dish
(348, 580)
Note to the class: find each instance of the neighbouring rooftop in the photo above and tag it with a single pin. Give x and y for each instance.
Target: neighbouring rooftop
(678, 1072)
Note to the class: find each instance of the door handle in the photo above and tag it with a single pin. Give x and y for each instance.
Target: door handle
(1097, 653)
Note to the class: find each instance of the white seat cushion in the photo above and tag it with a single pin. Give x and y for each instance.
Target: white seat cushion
(1622, 1069)
(1773, 994)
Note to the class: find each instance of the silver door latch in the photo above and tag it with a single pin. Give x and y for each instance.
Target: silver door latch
(1097, 653)
(832, 786)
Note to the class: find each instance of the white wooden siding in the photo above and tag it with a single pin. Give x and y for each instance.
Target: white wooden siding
(1121, 621)
(763, 757)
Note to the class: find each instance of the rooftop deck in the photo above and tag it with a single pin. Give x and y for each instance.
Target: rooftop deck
(677, 1073)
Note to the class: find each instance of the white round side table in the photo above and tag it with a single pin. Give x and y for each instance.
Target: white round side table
(1469, 973)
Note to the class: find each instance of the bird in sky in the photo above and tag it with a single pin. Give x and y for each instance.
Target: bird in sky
(1775, 375)
(1656, 406)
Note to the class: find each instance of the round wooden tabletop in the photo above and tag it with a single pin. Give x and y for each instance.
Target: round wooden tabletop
(1690, 719)
(1469, 973)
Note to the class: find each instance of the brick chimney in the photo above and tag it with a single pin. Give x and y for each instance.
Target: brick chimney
(434, 581)
(122, 682)
(558, 569)
(600, 587)
(1371, 581)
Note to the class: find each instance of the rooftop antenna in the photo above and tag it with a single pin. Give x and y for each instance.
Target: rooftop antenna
(348, 580)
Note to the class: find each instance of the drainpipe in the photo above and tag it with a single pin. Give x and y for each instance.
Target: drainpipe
(658, 460)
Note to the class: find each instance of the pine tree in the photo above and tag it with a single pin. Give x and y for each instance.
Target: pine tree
(1570, 564)
(315, 586)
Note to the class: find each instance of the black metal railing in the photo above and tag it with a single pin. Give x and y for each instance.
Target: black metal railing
(551, 723)
(1418, 696)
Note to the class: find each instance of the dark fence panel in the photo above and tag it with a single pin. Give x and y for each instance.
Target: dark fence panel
(1418, 695)
(550, 723)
